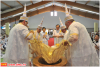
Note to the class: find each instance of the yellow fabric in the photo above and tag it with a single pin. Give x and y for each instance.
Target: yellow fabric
(69, 43)
(27, 35)
(57, 45)
(50, 54)
(60, 31)
(45, 33)
(73, 21)
(74, 34)
(20, 23)
(32, 31)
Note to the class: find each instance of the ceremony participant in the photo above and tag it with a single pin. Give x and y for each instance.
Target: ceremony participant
(82, 51)
(63, 29)
(96, 43)
(3, 44)
(17, 48)
(56, 34)
(45, 36)
(37, 33)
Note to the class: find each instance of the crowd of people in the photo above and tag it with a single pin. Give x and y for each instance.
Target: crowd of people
(4, 42)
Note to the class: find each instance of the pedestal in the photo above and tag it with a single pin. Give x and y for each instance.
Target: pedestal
(39, 61)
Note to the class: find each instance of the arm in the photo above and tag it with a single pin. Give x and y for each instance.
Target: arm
(30, 35)
(74, 34)
(96, 47)
(25, 33)
(73, 38)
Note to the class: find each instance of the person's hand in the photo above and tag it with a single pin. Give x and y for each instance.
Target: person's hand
(61, 36)
(96, 47)
(44, 36)
(32, 31)
(66, 43)
(32, 52)
(56, 36)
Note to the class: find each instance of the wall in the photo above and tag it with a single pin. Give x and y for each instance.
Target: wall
(51, 21)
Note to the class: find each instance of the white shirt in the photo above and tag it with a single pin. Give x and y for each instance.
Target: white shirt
(45, 40)
(57, 33)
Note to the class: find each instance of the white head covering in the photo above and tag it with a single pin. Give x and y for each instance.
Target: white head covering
(62, 26)
(40, 26)
(24, 17)
(68, 16)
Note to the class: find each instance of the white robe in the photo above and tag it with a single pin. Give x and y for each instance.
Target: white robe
(66, 35)
(17, 48)
(45, 40)
(82, 52)
(57, 33)
(38, 35)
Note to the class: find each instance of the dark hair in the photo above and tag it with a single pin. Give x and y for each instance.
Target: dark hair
(97, 34)
(3, 36)
(43, 28)
(71, 20)
(57, 25)
(21, 21)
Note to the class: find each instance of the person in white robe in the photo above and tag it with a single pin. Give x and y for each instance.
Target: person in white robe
(82, 52)
(57, 34)
(45, 36)
(37, 33)
(17, 48)
(63, 29)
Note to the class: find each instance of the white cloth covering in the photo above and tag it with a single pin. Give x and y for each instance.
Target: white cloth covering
(17, 48)
(66, 35)
(82, 52)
